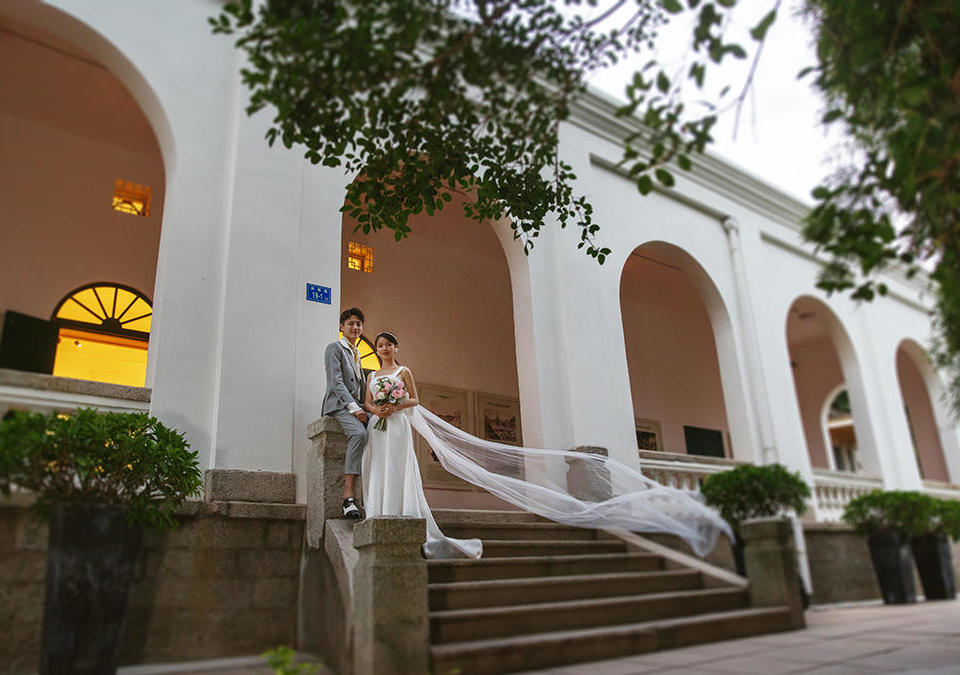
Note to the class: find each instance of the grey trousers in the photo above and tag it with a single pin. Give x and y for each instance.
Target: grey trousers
(356, 432)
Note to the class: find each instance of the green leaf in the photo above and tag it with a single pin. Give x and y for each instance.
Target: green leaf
(759, 32)
(672, 6)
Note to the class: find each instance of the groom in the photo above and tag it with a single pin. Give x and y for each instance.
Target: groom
(343, 400)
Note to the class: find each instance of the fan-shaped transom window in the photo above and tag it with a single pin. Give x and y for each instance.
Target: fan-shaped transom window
(108, 308)
(368, 355)
(103, 334)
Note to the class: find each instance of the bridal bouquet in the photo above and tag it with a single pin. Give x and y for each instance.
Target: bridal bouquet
(387, 391)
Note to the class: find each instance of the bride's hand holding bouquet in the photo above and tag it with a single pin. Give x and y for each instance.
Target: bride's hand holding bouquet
(388, 396)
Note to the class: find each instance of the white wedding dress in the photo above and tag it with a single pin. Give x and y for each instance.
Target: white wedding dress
(392, 485)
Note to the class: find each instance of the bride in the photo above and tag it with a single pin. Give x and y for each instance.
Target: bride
(391, 475)
(570, 487)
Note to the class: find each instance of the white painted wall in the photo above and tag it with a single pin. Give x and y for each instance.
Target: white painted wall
(234, 359)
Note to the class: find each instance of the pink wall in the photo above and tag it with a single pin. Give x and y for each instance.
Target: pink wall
(671, 353)
(68, 130)
(816, 371)
(925, 434)
(445, 293)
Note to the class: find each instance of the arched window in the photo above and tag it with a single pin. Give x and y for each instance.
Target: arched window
(103, 332)
(368, 355)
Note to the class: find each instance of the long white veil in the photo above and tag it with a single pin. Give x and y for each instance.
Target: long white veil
(571, 487)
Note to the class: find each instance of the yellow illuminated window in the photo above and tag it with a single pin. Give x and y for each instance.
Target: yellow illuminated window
(368, 355)
(100, 357)
(104, 333)
(359, 257)
(131, 198)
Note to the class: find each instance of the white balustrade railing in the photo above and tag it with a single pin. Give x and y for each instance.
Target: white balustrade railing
(682, 471)
(833, 490)
(44, 393)
(936, 488)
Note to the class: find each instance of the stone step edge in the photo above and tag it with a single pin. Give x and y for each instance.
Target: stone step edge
(453, 649)
(596, 543)
(579, 604)
(545, 525)
(483, 516)
(536, 559)
(558, 580)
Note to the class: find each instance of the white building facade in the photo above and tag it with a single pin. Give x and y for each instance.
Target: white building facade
(701, 342)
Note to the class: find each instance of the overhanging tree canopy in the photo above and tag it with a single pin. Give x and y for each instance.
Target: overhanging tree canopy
(421, 97)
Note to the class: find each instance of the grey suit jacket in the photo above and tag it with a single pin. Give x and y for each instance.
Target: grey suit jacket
(342, 385)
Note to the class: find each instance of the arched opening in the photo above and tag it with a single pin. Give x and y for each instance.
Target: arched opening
(830, 401)
(445, 292)
(916, 375)
(81, 197)
(839, 433)
(675, 326)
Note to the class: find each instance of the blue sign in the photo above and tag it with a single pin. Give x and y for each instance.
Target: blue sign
(319, 294)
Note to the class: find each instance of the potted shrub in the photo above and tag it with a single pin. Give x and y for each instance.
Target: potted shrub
(750, 491)
(931, 548)
(890, 520)
(99, 478)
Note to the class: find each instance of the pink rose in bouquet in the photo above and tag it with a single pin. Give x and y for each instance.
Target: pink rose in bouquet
(387, 391)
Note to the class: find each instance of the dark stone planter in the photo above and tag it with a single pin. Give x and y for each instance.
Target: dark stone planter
(893, 565)
(935, 567)
(90, 564)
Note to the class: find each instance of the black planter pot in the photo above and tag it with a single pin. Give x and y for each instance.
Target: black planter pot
(90, 564)
(935, 567)
(893, 565)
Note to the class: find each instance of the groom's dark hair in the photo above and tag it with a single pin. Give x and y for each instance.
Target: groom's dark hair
(353, 311)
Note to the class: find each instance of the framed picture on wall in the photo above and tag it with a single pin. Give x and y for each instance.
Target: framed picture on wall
(453, 406)
(649, 435)
(703, 442)
(498, 419)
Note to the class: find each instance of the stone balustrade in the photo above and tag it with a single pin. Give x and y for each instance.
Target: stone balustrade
(833, 490)
(685, 472)
(37, 392)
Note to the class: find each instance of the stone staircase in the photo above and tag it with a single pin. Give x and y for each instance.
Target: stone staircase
(547, 595)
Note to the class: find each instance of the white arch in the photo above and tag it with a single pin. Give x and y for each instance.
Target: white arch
(825, 422)
(724, 334)
(853, 383)
(946, 426)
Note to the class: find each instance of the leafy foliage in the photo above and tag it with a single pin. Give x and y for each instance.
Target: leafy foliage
(127, 459)
(282, 660)
(750, 491)
(904, 513)
(889, 72)
(421, 98)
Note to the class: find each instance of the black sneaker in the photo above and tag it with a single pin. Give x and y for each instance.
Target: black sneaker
(350, 509)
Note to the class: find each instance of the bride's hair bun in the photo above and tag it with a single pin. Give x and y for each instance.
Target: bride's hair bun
(386, 334)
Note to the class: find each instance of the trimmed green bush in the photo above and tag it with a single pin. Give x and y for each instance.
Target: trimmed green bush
(904, 513)
(89, 457)
(750, 491)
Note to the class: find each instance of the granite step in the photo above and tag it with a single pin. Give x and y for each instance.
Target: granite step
(446, 571)
(510, 548)
(466, 594)
(555, 648)
(473, 516)
(524, 531)
(491, 622)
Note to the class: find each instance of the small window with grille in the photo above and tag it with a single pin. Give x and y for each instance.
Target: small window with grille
(131, 198)
(359, 257)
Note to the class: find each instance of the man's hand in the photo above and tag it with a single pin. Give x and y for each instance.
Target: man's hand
(361, 415)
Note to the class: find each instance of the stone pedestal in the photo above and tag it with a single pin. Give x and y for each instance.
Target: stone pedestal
(234, 485)
(325, 459)
(771, 561)
(588, 483)
(390, 615)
